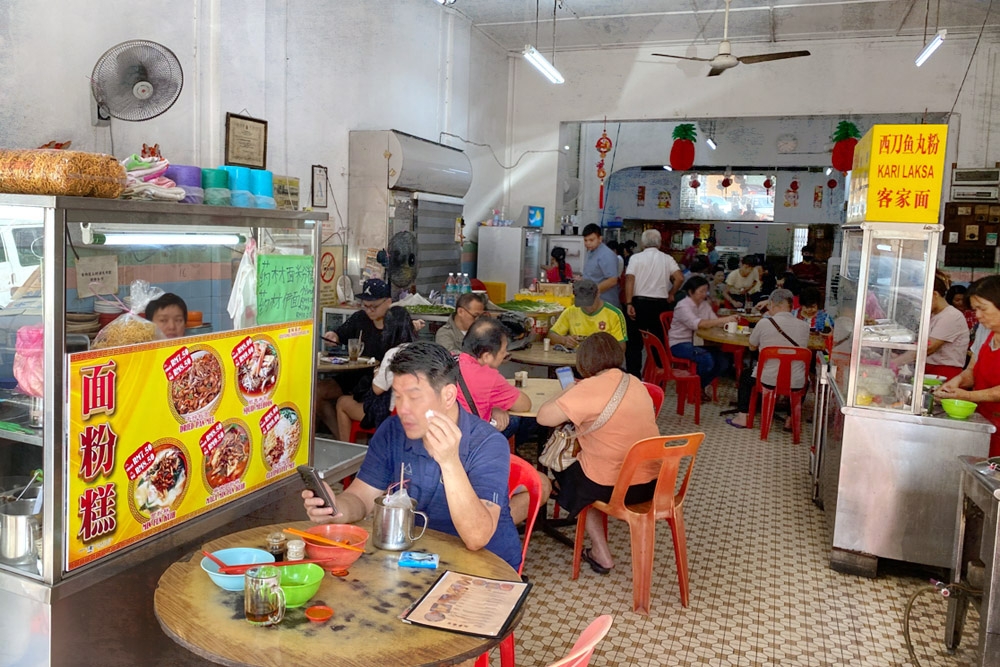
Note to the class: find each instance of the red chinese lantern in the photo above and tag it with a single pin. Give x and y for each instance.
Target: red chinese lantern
(603, 147)
(794, 186)
(832, 183)
(768, 184)
(695, 183)
(726, 182)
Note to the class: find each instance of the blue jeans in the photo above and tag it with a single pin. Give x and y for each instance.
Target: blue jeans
(710, 361)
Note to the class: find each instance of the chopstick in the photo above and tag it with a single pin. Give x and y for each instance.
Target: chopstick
(318, 539)
(241, 569)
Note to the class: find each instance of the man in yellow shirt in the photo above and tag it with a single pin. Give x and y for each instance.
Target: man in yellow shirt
(589, 315)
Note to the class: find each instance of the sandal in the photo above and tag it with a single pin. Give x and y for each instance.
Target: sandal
(594, 565)
(730, 422)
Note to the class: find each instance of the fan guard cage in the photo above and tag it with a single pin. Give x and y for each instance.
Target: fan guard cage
(402, 256)
(119, 80)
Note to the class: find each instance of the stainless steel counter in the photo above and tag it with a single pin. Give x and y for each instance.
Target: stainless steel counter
(887, 483)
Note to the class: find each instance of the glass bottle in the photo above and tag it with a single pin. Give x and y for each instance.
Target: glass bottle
(296, 550)
(276, 543)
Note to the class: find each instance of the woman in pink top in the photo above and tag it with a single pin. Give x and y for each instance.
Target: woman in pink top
(690, 314)
(599, 359)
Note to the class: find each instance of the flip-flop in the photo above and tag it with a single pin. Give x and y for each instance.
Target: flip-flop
(594, 565)
(730, 422)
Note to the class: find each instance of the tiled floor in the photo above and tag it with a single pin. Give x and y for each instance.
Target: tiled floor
(762, 592)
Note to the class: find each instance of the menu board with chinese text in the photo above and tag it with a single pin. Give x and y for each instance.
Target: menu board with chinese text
(162, 432)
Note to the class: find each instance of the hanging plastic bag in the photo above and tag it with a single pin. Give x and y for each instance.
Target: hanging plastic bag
(130, 327)
(29, 359)
(243, 299)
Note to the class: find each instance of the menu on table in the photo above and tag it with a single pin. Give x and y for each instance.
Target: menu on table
(469, 604)
(162, 432)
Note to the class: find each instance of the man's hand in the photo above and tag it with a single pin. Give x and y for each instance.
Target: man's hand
(318, 512)
(630, 311)
(572, 342)
(331, 337)
(501, 417)
(442, 439)
(418, 325)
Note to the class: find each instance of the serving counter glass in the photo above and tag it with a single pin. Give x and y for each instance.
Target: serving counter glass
(143, 443)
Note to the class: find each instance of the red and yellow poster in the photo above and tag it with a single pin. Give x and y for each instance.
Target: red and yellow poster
(162, 432)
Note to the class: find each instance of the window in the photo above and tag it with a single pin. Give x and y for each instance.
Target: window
(745, 199)
(28, 241)
(799, 241)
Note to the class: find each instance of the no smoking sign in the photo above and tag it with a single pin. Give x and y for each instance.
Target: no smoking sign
(328, 267)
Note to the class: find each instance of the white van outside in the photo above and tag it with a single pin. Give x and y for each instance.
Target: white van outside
(20, 255)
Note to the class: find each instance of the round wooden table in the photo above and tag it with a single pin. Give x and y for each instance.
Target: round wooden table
(537, 356)
(323, 365)
(539, 390)
(817, 342)
(364, 630)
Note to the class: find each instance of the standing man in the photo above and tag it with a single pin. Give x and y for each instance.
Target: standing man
(601, 265)
(651, 282)
(713, 254)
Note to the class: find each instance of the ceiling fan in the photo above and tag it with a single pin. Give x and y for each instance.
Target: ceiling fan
(725, 58)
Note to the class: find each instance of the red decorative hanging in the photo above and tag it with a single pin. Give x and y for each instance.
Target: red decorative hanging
(832, 183)
(794, 186)
(682, 150)
(603, 147)
(695, 183)
(726, 182)
(768, 184)
(845, 138)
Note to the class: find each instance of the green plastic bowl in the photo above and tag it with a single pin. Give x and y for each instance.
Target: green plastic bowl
(300, 583)
(957, 409)
(933, 380)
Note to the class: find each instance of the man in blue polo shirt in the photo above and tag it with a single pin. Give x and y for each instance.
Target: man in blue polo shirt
(457, 465)
(601, 265)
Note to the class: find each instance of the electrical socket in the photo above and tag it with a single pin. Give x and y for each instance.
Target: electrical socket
(98, 117)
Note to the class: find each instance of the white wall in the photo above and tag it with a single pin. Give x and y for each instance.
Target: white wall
(313, 70)
(841, 77)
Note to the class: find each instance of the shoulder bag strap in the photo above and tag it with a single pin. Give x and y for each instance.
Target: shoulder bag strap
(611, 407)
(467, 394)
(782, 332)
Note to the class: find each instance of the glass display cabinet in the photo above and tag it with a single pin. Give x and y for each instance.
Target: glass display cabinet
(134, 443)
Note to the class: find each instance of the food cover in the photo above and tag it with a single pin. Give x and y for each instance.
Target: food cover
(130, 328)
(29, 359)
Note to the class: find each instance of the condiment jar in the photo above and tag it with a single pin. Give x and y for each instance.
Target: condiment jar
(296, 550)
(276, 545)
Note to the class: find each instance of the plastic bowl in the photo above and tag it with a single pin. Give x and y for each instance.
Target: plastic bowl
(933, 380)
(300, 583)
(234, 556)
(338, 557)
(957, 409)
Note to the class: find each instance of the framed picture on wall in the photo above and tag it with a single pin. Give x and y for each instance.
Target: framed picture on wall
(246, 141)
(319, 186)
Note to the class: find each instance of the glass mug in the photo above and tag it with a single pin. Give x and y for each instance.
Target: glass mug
(354, 348)
(264, 600)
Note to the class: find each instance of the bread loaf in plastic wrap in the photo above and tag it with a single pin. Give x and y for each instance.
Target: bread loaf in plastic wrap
(52, 172)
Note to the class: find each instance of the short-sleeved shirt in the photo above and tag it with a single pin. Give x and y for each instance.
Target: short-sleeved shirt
(552, 273)
(601, 264)
(687, 315)
(949, 325)
(371, 337)
(603, 451)
(765, 334)
(485, 456)
(450, 336)
(652, 270)
(738, 282)
(574, 322)
(489, 389)
(818, 322)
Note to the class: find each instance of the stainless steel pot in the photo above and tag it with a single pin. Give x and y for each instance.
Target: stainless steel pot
(17, 531)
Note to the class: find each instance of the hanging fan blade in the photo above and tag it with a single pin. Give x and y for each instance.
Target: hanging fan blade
(716, 71)
(667, 55)
(767, 57)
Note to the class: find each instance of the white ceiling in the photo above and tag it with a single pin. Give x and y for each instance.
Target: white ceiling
(660, 24)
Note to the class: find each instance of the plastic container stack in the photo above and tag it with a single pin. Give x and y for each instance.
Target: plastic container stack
(239, 186)
(215, 182)
(188, 179)
(262, 188)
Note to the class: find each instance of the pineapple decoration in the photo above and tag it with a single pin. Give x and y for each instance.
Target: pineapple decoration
(845, 138)
(603, 147)
(682, 151)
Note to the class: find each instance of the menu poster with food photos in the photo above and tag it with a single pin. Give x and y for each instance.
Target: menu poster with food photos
(165, 431)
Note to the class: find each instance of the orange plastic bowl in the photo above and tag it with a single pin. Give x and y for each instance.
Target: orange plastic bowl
(338, 557)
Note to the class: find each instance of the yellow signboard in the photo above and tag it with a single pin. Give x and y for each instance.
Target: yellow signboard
(162, 432)
(897, 174)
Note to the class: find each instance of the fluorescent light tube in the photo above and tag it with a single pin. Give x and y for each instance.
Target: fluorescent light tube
(168, 239)
(532, 55)
(668, 167)
(829, 170)
(711, 143)
(931, 47)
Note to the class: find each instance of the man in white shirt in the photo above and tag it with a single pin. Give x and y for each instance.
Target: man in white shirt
(651, 281)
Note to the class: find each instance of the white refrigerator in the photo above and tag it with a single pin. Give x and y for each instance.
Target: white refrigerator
(510, 255)
(576, 252)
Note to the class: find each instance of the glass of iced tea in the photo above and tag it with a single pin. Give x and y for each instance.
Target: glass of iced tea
(264, 601)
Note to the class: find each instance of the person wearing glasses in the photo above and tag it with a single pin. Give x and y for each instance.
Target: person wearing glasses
(469, 308)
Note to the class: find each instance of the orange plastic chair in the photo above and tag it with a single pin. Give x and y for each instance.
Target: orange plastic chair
(659, 371)
(655, 393)
(523, 474)
(641, 518)
(667, 319)
(786, 356)
(579, 655)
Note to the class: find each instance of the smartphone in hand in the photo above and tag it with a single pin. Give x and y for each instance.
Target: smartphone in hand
(565, 375)
(313, 482)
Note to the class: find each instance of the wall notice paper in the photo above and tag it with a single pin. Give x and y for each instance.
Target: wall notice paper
(96, 275)
(468, 604)
(285, 288)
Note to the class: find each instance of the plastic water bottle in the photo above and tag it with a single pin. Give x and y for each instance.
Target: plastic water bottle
(466, 285)
(451, 291)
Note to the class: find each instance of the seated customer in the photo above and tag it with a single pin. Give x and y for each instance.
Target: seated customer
(469, 308)
(693, 313)
(602, 452)
(742, 283)
(457, 465)
(169, 314)
(779, 329)
(483, 350)
(588, 315)
(810, 311)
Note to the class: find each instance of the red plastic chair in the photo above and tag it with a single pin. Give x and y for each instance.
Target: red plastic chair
(659, 370)
(357, 430)
(786, 356)
(666, 319)
(655, 393)
(579, 655)
(669, 450)
(523, 474)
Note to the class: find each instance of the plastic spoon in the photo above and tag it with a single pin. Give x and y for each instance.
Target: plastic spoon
(215, 560)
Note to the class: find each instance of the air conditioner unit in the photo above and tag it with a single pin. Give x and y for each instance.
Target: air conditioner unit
(975, 177)
(973, 193)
